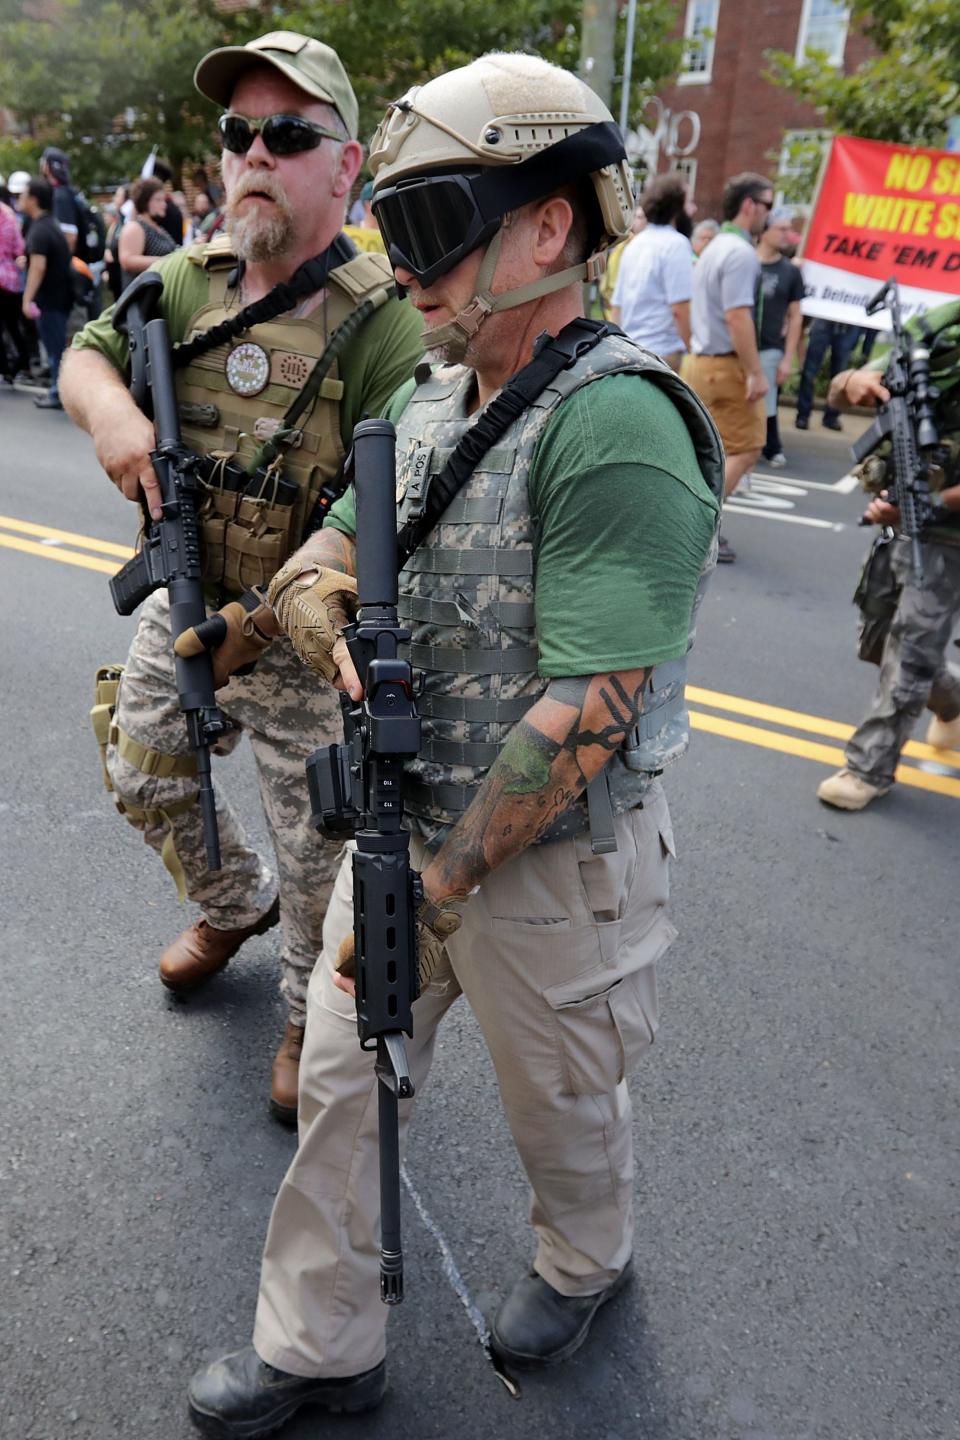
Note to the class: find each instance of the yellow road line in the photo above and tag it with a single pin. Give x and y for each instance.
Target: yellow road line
(66, 557)
(809, 750)
(813, 724)
(47, 532)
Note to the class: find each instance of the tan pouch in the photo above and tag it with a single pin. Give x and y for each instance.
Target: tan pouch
(258, 541)
(106, 684)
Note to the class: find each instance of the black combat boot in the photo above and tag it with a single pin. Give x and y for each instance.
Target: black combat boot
(536, 1325)
(241, 1397)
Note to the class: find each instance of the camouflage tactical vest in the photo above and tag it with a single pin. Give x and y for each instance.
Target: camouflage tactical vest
(234, 397)
(467, 592)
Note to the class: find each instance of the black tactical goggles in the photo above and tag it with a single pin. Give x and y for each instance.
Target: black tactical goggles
(431, 222)
(282, 134)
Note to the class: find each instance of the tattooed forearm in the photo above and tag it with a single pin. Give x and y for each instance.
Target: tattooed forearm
(329, 547)
(548, 760)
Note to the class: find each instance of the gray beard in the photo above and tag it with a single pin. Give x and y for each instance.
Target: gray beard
(258, 239)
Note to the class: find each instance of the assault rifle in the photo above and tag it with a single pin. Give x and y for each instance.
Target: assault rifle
(908, 419)
(355, 790)
(170, 553)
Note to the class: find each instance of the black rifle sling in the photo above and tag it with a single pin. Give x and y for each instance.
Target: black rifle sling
(551, 355)
(310, 277)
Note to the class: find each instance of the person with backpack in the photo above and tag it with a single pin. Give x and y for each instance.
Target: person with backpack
(48, 289)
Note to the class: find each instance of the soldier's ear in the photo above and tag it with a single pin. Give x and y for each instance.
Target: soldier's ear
(348, 167)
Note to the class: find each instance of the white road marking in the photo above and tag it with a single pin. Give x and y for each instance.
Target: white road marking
(843, 486)
(738, 508)
(762, 501)
(450, 1269)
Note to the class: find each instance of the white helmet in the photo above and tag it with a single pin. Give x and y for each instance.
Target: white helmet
(454, 156)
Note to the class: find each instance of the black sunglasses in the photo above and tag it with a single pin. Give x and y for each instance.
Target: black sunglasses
(282, 134)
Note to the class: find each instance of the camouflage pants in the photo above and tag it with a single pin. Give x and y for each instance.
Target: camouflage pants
(286, 712)
(913, 670)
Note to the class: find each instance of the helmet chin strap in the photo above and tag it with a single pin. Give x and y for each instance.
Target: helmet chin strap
(456, 336)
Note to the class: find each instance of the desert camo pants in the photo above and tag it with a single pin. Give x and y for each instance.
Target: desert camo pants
(286, 712)
(557, 958)
(913, 671)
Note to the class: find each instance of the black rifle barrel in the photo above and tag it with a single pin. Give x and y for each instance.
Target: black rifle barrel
(386, 733)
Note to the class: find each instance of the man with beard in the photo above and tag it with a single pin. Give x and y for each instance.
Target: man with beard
(655, 280)
(552, 605)
(289, 159)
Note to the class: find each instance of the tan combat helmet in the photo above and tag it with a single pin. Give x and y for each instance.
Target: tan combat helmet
(454, 156)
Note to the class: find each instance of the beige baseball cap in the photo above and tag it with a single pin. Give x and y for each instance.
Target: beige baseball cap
(310, 64)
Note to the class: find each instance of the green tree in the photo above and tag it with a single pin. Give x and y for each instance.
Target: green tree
(110, 79)
(908, 92)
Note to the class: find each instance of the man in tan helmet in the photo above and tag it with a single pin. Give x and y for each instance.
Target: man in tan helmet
(290, 156)
(552, 602)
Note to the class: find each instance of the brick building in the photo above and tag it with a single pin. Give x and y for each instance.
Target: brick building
(721, 116)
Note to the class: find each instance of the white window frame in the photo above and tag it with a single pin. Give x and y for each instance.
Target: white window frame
(686, 166)
(836, 60)
(789, 137)
(705, 76)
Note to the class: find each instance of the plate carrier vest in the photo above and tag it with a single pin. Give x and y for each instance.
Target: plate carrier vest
(245, 541)
(466, 594)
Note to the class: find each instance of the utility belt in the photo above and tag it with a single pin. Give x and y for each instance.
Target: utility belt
(248, 523)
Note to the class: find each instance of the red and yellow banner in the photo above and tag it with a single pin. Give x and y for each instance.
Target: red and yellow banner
(882, 210)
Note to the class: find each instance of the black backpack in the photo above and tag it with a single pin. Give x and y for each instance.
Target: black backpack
(91, 230)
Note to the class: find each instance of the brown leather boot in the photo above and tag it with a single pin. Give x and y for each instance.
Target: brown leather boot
(285, 1074)
(201, 951)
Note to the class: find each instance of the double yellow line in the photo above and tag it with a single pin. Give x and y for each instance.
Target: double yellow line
(69, 549)
(788, 744)
(62, 545)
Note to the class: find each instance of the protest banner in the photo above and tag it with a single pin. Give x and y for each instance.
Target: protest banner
(882, 210)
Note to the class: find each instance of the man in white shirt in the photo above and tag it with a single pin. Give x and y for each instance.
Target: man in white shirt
(651, 300)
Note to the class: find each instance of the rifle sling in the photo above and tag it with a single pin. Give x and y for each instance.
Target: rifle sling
(309, 278)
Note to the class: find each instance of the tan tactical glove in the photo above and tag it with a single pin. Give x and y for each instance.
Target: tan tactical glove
(435, 925)
(313, 611)
(237, 635)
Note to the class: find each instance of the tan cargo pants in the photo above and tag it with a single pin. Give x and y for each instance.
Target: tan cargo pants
(556, 956)
(285, 714)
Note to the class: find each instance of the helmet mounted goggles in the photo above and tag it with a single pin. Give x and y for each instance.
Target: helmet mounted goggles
(430, 222)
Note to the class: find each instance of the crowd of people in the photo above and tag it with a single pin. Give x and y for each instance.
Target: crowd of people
(62, 259)
(593, 463)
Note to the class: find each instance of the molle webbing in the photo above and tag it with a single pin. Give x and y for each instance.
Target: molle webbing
(307, 280)
(551, 355)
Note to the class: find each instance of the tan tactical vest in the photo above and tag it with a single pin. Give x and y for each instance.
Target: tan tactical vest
(466, 594)
(234, 397)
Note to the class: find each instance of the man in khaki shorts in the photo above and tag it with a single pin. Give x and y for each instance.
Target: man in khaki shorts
(549, 674)
(724, 364)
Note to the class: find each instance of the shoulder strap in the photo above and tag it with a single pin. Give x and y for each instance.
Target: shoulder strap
(310, 277)
(551, 355)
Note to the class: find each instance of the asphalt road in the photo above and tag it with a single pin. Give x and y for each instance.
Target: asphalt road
(796, 1126)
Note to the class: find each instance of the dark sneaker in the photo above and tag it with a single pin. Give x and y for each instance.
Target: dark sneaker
(536, 1325)
(47, 402)
(725, 552)
(802, 422)
(241, 1397)
(830, 422)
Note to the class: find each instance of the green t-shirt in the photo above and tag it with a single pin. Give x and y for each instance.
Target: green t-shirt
(625, 522)
(372, 364)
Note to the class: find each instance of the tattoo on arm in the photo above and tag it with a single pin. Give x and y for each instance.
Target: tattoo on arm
(548, 760)
(330, 548)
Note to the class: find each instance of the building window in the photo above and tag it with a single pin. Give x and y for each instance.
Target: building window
(823, 27)
(687, 168)
(699, 33)
(801, 156)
